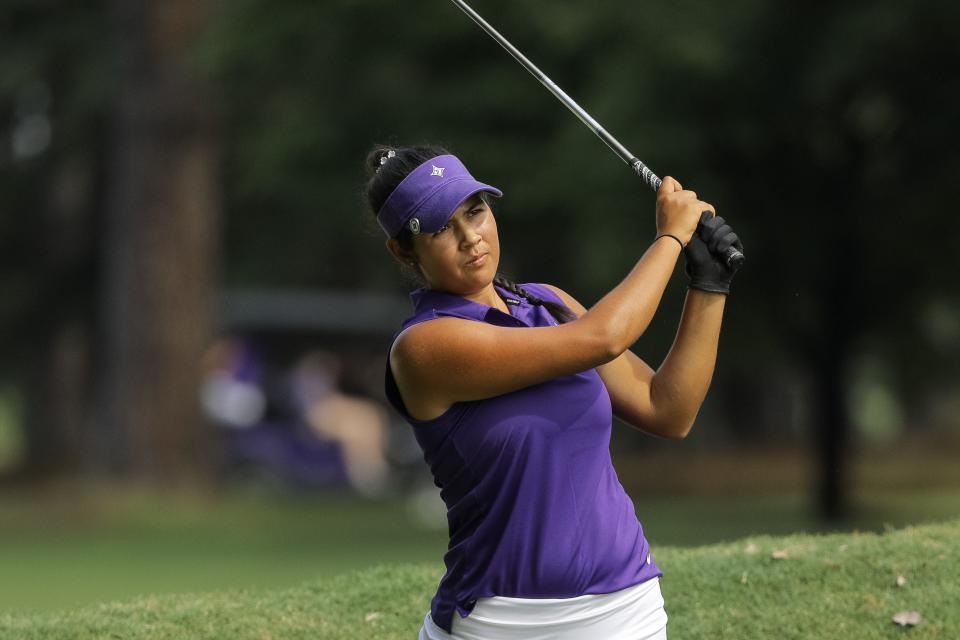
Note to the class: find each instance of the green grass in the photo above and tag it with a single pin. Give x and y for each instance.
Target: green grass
(75, 548)
(828, 586)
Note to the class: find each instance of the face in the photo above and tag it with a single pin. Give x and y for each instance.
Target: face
(446, 258)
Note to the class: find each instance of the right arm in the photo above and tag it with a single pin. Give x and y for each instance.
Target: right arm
(462, 360)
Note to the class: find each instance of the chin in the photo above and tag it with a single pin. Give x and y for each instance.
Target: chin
(486, 274)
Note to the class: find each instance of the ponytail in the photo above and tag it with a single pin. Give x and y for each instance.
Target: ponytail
(560, 312)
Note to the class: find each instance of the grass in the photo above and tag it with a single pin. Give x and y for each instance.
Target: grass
(71, 549)
(826, 586)
(77, 549)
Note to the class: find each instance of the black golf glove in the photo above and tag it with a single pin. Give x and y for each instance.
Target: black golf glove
(706, 267)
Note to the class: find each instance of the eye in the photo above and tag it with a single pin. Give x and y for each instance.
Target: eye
(480, 208)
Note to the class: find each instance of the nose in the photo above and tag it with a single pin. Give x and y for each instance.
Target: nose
(470, 238)
(468, 235)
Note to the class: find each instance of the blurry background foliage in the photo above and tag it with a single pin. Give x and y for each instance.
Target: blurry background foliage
(826, 133)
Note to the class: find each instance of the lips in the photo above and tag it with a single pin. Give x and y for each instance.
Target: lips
(478, 260)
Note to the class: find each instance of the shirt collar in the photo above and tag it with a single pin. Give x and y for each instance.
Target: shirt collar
(425, 299)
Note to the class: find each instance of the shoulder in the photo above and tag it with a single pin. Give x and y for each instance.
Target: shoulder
(559, 295)
(414, 344)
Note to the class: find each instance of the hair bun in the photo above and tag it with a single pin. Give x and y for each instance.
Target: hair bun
(378, 156)
(385, 155)
(380, 184)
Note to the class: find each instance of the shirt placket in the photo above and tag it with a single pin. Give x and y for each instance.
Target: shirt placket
(497, 317)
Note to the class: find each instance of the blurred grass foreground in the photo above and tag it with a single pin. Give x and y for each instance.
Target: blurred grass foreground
(802, 586)
(78, 545)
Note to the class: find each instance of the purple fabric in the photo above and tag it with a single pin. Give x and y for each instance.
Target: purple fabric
(534, 505)
(429, 194)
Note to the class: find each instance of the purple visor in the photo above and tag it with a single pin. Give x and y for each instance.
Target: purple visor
(426, 199)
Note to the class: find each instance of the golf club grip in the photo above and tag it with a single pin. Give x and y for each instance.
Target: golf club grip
(645, 174)
(733, 258)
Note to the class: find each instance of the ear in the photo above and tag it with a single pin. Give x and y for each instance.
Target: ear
(401, 256)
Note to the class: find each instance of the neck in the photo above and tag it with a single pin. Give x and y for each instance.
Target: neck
(487, 296)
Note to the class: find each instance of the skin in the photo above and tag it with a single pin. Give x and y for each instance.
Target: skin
(447, 360)
(441, 257)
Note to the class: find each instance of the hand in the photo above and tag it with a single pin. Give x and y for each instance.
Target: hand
(705, 254)
(678, 211)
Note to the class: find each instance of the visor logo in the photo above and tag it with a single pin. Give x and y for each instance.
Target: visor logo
(437, 171)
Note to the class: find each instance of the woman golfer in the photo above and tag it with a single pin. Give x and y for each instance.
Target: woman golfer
(510, 391)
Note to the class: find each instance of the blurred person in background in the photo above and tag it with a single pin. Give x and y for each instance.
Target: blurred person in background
(357, 424)
(232, 393)
(288, 428)
(515, 424)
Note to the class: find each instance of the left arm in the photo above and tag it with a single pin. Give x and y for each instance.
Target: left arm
(665, 402)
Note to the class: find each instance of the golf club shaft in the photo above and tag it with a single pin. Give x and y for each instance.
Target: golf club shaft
(732, 256)
(648, 176)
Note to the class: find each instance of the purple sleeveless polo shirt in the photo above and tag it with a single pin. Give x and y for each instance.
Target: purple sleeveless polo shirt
(534, 506)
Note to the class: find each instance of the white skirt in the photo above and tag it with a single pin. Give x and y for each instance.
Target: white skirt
(634, 613)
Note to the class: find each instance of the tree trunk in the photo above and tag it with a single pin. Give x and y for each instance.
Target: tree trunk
(842, 307)
(57, 371)
(832, 438)
(160, 252)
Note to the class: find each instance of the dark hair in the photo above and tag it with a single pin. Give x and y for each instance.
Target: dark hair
(386, 171)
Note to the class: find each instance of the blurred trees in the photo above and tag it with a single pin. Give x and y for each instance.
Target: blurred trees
(112, 156)
(160, 248)
(54, 87)
(843, 154)
(825, 133)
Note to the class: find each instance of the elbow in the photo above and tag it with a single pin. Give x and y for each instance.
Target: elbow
(609, 337)
(601, 340)
(675, 412)
(614, 342)
(681, 430)
(610, 352)
(675, 428)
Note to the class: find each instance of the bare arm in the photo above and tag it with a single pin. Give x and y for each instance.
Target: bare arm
(625, 313)
(460, 360)
(450, 359)
(666, 402)
(680, 385)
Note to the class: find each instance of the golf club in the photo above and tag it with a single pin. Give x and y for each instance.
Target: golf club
(732, 256)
